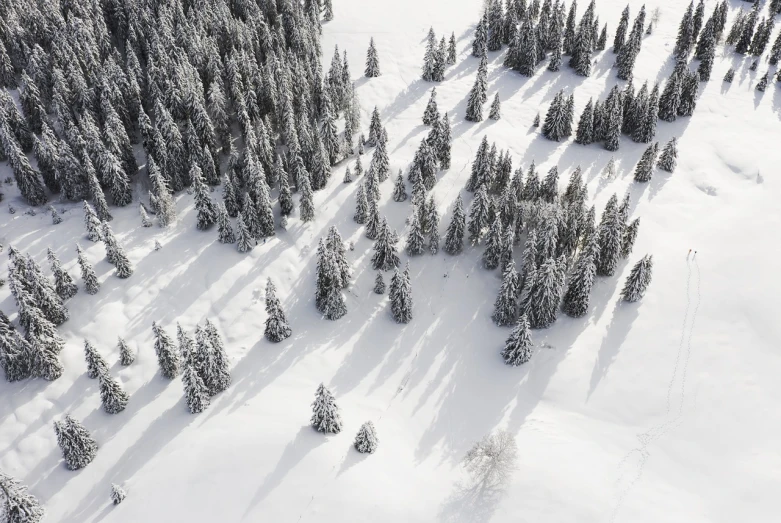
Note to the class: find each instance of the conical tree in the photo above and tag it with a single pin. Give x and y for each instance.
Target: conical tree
(166, 353)
(496, 109)
(224, 229)
(379, 284)
(126, 356)
(399, 189)
(325, 413)
(95, 362)
(196, 394)
(366, 439)
(372, 61)
(506, 304)
(669, 157)
(576, 299)
(544, 296)
(277, 327)
(92, 223)
(431, 113)
(454, 238)
(645, 166)
(112, 395)
(493, 245)
(91, 283)
(385, 256)
(244, 240)
(63, 282)
(401, 296)
(638, 280)
(518, 347)
(585, 132)
(77, 445)
(115, 253)
(478, 94)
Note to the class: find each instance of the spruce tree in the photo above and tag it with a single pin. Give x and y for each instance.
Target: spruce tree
(585, 132)
(91, 283)
(244, 240)
(379, 284)
(385, 256)
(623, 25)
(689, 86)
(115, 253)
(285, 197)
(480, 42)
(306, 203)
(204, 206)
(433, 226)
(429, 59)
(196, 393)
(544, 295)
(493, 245)
(576, 299)
(325, 413)
(77, 445)
(645, 166)
(372, 61)
(518, 347)
(610, 234)
(95, 362)
(556, 120)
(451, 49)
(361, 206)
(431, 113)
(630, 235)
(63, 282)
(478, 215)
(112, 395)
(348, 176)
(92, 223)
(686, 34)
(224, 229)
(18, 505)
(669, 156)
(762, 84)
(401, 296)
(496, 109)
(415, 240)
(506, 304)
(366, 439)
(15, 352)
(729, 76)
(454, 238)
(399, 189)
(126, 356)
(638, 280)
(166, 353)
(478, 95)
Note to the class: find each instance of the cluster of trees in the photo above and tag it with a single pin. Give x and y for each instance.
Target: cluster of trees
(112, 395)
(437, 57)
(203, 362)
(333, 275)
(327, 418)
(78, 446)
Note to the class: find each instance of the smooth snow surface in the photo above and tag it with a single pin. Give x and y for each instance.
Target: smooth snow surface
(662, 410)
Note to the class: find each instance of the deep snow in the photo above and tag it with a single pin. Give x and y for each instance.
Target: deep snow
(666, 409)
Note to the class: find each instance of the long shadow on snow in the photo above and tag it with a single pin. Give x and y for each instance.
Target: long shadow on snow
(624, 315)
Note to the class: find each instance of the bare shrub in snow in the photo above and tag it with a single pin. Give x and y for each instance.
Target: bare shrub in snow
(491, 460)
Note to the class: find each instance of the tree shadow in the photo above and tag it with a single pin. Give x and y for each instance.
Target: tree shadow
(351, 459)
(470, 503)
(624, 315)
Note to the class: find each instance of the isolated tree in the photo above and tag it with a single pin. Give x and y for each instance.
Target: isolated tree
(379, 284)
(325, 413)
(112, 395)
(372, 61)
(366, 439)
(400, 294)
(77, 445)
(429, 58)
(431, 114)
(491, 460)
(669, 157)
(277, 327)
(166, 352)
(558, 119)
(645, 166)
(118, 494)
(95, 362)
(478, 94)
(506, 304)
(18, 506)
(638, 280)
(91, 283)
(518, 347)
(496, 109)
(451, 49)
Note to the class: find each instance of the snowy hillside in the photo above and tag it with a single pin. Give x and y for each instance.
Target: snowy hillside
(661, 410)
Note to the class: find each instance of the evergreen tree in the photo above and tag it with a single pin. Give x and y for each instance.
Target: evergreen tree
(454, 238)
(15, 352)
(204, 206)
(385, 256)
(372, 61)
(433, 226)
(18, 505)
(415, 240)
(91, 283)
(480, 43)
(518, 347)
(555, 59)
(306, 203)
(506, 304)
(689, 86)
(576, 299)
(379, 284)
(399, 189)
(478, 95)
(429, 59)
(285, 196)
(118, 495)
(337, 247)
(669, 156)
(544, 295)
(585, 132)
(451, 49)
(496, 109)
(63, 282)
(493, 245)
(638, 280)
(557, 120)
(478, 215)
(115, 253)
(401, 296)
(630, 235)
(747, 32)
(536, 122)
(77, 445)
(729, 76)
(686, 34)
(431, 114)
(196, 393)
(166, 353)
(325, 413)
(613, 123)
(112, 395)
(95, 362)
(145, 221)
(126, 356)
(244, 240)
(224, 229)
(361, 206)
(610, 234)
(211, 360)
(645, 166)
(348, 176)
(366, 439)
(762, 84)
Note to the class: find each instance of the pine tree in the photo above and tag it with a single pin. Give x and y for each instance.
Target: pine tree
(686, 34)
(630, 235)
(195, 392)
(325, 413)
(415, 240)
(454, 238)
(399, 189)
(348, 176)
(361, 206)
(63, 282)
(432, 221)
(385, 256)
(337, 247)
(478, 215)
(585, 132)
(126, 356)
(747, 33)
(638, 280)
(166, 353)
(92, 223)
(429, 57)
(306, 203)
(493, 245)
(555, 126)
(366, 439)
(480, 43)
(506, 304)
(112, 395)
(431, 114)
(285, 197)
(689, 86)
(77, 445)
(554, 64)
(204, 206)
(18, 505)
(401, 296)
(451, 49)
(610, 234)
(645, 166)
(372, 61)
(623, 25)
(91, 283)
(478, 95)
(95, 362)
(613, 123)
(115, 253)
(576, 299)
(669, 156)
(211, 360)
(27, 179)
(518, 347)
(379, 284)
(224, 229)
(118, 495)
(544, 295)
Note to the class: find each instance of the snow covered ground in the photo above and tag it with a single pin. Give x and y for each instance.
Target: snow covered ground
(663, 410)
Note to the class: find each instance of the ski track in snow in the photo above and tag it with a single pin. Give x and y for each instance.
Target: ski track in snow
(655, 433)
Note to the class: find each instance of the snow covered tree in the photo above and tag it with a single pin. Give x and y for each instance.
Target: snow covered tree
(576, 299)
(638, 280)
(729, 75)
(558, 119)
(544, 295)
(669, 157)
(27, 179)
(77, 445)
(585, 132)
(689, 87)
(451, 49)
(15, 352)
(610, 234)
(372, 61)
(645, 166)
(385, 256)
(454, 238)
(399, 189)
(92, 223)
(630, 235)
(518, 347)
(429, 58)
(493, 245)
(196, 394)
(379, 284)
(126, 356)
(361, 206)
(115, 253)
(431, 113)
(686, 34)
(478, 94)
(348, 176)
(277, 327)
(432, 221)
(325, 413)
(328, 294)
(166, 352)
(285, 197)
(118, 494)
(244, 240)
(306, 203)
(112, 395)
(478, 215)
(620, 36)
(18, 506)
(496, 109)
(400, 294)
(506, 304)
(204, 206)
(91, 283)
(224, 229)
(366, 439)
(491, 460)
(95, 362)
(480, 42)
(63, 282)
(415, 240)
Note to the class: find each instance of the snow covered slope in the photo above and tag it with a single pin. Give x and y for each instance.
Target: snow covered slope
(663, 410)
